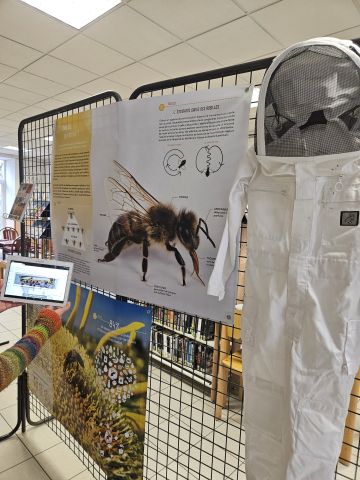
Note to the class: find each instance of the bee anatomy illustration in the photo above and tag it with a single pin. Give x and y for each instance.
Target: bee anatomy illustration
(141, 219)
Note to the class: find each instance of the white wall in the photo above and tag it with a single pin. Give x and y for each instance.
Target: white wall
(11, 186)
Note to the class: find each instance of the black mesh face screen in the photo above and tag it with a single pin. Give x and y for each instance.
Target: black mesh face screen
(312, 104)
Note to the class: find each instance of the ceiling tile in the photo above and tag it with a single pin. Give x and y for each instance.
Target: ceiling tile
(235, 42)
(31, 27)
(99, 85)
(11, 105)
(91, 55)
(16, 55)
(49, 104)
(269, 54)
(4, 112)
(36, 84)
(23, 96)
(307, 18)
(6, 72)
(180, 60)
(348, 34)
(136, 75)
(25, 113)
(5, 130)
(8, 123)
(188, 18)
(130, 33)
(106, 85)
(9, 139)
(72, 96)
(59, 71)
(253, 5)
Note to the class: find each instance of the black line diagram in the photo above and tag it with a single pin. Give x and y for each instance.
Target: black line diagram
(73, 234)
(142, 220)
(174, 161)
(209, 159)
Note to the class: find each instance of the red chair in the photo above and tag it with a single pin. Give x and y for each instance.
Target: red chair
(15, 247)
(9, 233)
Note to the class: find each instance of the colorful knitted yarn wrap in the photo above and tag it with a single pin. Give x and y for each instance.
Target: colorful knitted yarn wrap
(15, 359)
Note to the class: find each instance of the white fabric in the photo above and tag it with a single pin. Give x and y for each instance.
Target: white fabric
(301, 316)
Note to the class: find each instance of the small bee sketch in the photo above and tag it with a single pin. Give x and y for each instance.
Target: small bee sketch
(144, 220)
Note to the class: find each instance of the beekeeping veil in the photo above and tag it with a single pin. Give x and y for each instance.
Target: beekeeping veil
(309, 102)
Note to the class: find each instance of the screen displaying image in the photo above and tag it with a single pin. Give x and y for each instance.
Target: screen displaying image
(37, 282)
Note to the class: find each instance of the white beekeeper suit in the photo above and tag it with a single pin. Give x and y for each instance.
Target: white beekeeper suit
(301, 316)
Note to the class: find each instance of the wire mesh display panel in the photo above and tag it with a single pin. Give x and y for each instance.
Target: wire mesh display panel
(188, 436)
(35, 137)
(193, 431)
(194, 427)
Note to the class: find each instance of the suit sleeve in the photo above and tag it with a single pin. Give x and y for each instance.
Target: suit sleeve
(226, 259)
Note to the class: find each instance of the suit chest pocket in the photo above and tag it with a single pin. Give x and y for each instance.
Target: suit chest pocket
(268, 207)
(339, 217)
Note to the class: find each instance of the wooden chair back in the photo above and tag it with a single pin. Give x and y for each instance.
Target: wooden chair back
(16, 246)
(9, 233)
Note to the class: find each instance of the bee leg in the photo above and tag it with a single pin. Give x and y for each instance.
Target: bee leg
(179, 259)
(145, 258)
(115, 250)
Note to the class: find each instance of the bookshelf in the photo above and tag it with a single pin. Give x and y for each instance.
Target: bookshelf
(209, 343)
(202, 378)
(184, 342)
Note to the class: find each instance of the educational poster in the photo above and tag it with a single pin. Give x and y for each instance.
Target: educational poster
(21, 201)
(71, 184)
(140, 195)
(92, 376)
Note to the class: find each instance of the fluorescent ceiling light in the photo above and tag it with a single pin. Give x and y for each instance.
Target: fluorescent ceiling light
(76, 13)
(10, 147)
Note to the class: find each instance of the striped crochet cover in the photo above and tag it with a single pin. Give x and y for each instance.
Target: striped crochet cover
(14, 360)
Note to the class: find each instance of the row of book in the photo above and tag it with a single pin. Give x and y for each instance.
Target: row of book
(199, 328)
(182, 350)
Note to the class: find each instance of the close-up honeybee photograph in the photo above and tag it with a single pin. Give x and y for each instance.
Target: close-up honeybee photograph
(93, 377)
(145, 218)
(144, 221)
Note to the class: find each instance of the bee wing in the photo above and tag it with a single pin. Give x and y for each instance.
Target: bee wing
(124, 194)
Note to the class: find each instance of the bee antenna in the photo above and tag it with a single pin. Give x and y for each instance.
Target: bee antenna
(204, 230)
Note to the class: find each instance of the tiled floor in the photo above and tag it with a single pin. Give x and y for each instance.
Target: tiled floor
(183, 440)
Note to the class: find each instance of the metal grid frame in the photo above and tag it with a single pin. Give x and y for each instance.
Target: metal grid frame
(183, 439)
(35, 149)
